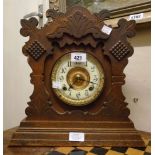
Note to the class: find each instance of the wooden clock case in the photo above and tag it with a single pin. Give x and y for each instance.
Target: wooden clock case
(105, 122)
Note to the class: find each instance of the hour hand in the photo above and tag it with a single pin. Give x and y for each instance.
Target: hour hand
(70, 87)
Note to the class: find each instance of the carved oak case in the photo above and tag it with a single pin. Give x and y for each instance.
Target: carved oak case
(49, 120)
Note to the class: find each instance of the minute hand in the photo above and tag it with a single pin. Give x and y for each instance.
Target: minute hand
(88, 81)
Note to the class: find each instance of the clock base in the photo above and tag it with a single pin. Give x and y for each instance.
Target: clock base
(56, 133)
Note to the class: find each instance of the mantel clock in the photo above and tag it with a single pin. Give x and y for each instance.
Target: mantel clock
(77, 66)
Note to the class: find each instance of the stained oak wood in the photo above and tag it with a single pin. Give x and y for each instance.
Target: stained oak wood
(49, 120)
(21, 150)
(18, 150)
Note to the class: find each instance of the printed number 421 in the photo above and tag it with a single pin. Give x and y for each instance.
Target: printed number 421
(78, 57)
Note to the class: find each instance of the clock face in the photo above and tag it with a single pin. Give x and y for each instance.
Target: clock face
(76, 82)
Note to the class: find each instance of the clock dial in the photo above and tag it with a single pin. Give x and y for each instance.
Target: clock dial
(79, 83)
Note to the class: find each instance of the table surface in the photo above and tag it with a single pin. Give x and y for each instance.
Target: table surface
(62, 150)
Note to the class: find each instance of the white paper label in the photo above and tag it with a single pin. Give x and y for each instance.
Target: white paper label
(77, 136)
(136, 16)
(107, 30)
(78, 57)
(56, 84)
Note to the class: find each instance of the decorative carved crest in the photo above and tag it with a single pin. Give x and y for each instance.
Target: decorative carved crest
(77, 25)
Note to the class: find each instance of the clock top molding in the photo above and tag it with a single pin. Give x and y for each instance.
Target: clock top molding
(77, 30)
(77, 22)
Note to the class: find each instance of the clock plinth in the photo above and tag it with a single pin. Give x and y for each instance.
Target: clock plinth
(56, 133)
(77, 96)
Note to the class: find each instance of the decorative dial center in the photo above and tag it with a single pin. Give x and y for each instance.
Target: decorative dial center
(78, 78)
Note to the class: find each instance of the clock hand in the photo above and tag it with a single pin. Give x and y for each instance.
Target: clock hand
(92, 82)
(71, 85)
(87, 81)
(78, 78)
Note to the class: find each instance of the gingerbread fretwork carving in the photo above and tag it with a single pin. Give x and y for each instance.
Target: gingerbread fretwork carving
(35, 50)
(28, 26)
(103, 14)
(79, 27)
(51, 13)
(119, 50)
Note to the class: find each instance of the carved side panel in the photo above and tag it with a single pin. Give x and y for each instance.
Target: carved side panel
(38, 106)
(118, 49)
(36, 49)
